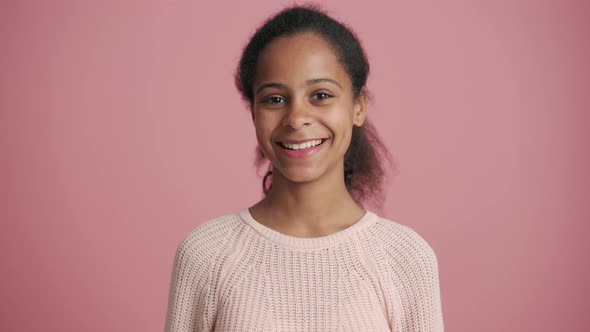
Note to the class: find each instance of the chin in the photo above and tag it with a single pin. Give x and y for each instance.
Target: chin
(301, 175)
(302, 179)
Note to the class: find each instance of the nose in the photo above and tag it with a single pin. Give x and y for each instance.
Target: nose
(297, 116)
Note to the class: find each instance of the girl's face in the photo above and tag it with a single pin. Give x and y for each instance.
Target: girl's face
(302, 95)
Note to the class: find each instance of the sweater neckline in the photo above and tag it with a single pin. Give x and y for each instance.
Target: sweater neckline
(307, 242)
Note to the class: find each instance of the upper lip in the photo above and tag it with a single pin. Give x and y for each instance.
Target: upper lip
(298, 141)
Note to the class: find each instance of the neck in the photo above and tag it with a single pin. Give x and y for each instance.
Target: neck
(307, 205)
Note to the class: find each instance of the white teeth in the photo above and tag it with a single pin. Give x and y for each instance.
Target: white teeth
(302, 145)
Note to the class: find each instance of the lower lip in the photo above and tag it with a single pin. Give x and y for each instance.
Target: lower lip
(304, 153)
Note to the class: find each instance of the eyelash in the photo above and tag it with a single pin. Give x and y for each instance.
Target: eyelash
(324, 93)
(268, 100)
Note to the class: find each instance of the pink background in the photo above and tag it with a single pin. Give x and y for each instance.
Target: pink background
(121, 131)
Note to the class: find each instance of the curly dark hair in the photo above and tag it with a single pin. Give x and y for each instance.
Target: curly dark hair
(363, 170)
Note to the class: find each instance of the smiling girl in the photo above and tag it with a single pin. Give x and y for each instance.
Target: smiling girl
(308, 256)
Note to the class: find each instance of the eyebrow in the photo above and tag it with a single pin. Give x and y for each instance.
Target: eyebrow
(308, 82)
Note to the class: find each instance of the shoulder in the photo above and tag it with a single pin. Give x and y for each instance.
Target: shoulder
(206, 239)
(401, 242)
(191, 299)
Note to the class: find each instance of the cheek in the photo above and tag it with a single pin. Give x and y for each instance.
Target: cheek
(341, 120)
(264, 127)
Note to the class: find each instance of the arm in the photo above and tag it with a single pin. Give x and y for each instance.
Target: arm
(189, 285)
(418, 306)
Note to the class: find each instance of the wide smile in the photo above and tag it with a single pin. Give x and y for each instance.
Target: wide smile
(302, 150)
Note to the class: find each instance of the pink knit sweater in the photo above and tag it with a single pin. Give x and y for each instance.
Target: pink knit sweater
(232, 273)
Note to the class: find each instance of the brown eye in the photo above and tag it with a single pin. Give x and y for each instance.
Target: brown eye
(322, 95)
(273, 100)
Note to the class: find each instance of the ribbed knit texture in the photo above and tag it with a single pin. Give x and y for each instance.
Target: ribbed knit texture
(233, 273)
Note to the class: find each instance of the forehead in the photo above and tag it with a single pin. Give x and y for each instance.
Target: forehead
(294, 59)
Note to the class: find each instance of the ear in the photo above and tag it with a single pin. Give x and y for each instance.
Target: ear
(360, 109)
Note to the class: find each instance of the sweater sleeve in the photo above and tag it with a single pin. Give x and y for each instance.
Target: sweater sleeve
(417, 282)
(188, 290)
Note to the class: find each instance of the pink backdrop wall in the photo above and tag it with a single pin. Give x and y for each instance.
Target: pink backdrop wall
(121, 131)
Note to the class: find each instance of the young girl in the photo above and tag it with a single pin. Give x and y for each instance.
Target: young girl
(308, 256)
